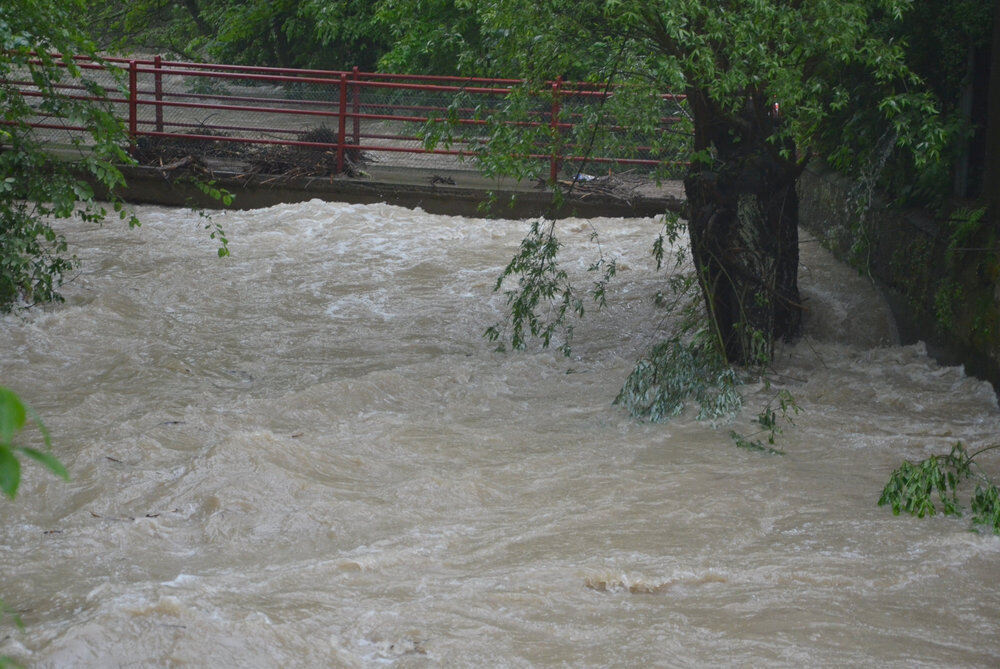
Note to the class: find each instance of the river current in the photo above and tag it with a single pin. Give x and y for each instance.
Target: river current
(306, 454)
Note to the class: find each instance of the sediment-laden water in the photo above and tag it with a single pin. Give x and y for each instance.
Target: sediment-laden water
(306, 455)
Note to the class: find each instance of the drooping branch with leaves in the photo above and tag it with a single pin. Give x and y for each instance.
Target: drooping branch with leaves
(913, 487)
(766, 83)
(36, 186)
(42, 82)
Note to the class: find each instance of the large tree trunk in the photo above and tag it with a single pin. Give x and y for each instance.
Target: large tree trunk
(743, 224)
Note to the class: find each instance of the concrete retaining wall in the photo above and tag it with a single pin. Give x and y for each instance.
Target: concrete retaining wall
(465, 196)
(942, 278)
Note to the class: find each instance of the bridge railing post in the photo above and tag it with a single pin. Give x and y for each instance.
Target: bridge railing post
(356, 105)
(133, 104)
(554, 158)
(341, 123)
(158, 91)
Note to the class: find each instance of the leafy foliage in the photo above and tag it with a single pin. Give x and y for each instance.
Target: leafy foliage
(544, 297)
(808, 56)
(286, 33)
(212, 190)
(155, 25)
(33, 184)
(687, 366)
(941, 39)
(985, 505)
(675, 372)
(295, 33)
(39, 43)
(14, 416)
(769, 421)
(913, 488)
(435, 37)
(735, 61)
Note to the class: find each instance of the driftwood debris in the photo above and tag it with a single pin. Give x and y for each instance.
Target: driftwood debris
(176, 155)
(623, 186)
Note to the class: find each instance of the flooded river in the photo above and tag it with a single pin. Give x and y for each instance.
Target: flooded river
(306, 455)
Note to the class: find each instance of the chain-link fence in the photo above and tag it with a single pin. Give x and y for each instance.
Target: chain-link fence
(310, 122)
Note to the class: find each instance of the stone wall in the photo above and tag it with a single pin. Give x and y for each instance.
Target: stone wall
(941, 277)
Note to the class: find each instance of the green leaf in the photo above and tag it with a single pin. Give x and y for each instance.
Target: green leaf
(12, 416)
(48, 460)
(37, 420)
(10, 472)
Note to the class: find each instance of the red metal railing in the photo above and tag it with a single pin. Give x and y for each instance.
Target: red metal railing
(387, 114)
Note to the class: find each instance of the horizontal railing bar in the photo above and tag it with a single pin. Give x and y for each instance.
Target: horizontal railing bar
(261, 110)
(350, 94)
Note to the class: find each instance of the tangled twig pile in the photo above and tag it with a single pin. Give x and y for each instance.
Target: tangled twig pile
(174, 154)
(622, 186)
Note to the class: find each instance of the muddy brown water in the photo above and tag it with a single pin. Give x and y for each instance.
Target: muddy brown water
(306, 455)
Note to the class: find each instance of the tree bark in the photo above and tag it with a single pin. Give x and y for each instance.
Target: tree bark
(743, 225)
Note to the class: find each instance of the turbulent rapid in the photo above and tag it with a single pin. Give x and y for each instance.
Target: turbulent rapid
(306, 454)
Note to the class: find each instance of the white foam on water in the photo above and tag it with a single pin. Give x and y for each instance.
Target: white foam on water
(310, 440)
